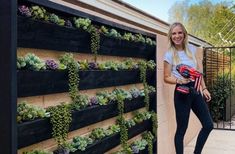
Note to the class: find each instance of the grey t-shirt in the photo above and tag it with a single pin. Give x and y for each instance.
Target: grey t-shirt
(184, 59)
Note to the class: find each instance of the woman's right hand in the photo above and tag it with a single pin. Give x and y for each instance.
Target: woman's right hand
(183, 81)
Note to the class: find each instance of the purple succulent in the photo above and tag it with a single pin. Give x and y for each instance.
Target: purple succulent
(92, 65)
(68, 23)
(135, 94)
(134, 149)
(24, 11)
(93, 101)
(51, 64)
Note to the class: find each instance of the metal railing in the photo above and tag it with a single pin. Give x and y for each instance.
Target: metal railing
(219, 74)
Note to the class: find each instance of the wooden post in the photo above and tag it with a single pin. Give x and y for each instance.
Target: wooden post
(8, 90)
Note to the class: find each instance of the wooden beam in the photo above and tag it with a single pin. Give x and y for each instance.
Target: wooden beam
(8, 128)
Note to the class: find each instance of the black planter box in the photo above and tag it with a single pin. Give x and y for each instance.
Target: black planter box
(117, 47)
(107, 143)
(32, 83)
(44, 35)
(38, 130)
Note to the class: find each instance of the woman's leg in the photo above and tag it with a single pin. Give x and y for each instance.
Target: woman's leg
(182, 111)
(201, 110)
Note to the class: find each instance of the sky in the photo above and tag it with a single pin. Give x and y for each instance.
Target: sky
(159, 8)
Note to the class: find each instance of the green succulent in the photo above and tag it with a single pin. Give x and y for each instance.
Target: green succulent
(80, 143)
(55, 19)
(97, 133)
(82, 23)
(80, 102)
(139, 38)
(39, 13)
(26, 112)
(128, 37)
(37, 152)
(34, 63)
(21, 63)
(104, 30)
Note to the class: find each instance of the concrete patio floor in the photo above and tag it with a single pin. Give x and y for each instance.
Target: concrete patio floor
(219, 142)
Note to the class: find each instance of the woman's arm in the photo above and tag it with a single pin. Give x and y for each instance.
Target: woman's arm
(168, 78)
(167, 74)
(205, 91)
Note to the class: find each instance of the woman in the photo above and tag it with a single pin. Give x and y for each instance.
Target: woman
(180, 52)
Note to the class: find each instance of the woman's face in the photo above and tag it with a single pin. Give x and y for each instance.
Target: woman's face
(177, 36)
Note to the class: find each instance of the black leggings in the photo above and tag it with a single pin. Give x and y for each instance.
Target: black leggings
(183, 104)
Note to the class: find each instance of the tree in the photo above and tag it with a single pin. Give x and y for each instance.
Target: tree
(214, 23)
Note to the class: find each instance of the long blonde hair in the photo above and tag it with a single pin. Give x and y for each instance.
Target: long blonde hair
(172, 47)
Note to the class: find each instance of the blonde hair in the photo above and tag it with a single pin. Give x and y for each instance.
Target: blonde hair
(172, 47)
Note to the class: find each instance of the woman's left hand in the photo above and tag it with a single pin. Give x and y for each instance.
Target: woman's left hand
(207, 95)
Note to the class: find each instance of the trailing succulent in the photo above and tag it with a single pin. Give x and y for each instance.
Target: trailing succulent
(143, 70)
(60, 118)
(121, 120)
(149, 138)
(95, 40)
(154, 122)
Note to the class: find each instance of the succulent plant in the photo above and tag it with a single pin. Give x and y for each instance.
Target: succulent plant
(24, 11)
(80, 102)
(39, 12)
(130, 123)
(135, 92)
(68, 23)
(80, 143)
(135, 149)
(55, 19)
(82, 23)
(66, 59)
(149, 41)
(97, 133)
(139, 145)
(122, 94)
(114, 33)
(93, 101)
(102, 100)
(139, 38)
(26, 112)
(37, 152)
(93, 65)
(61, 67)
(51, 64)
(21, 63)
(104, 30)
(83, 65)
(34, 63)
(128, 37)
(151, 64)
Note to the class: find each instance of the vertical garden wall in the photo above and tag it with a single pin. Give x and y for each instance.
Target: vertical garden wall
(84, 84)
